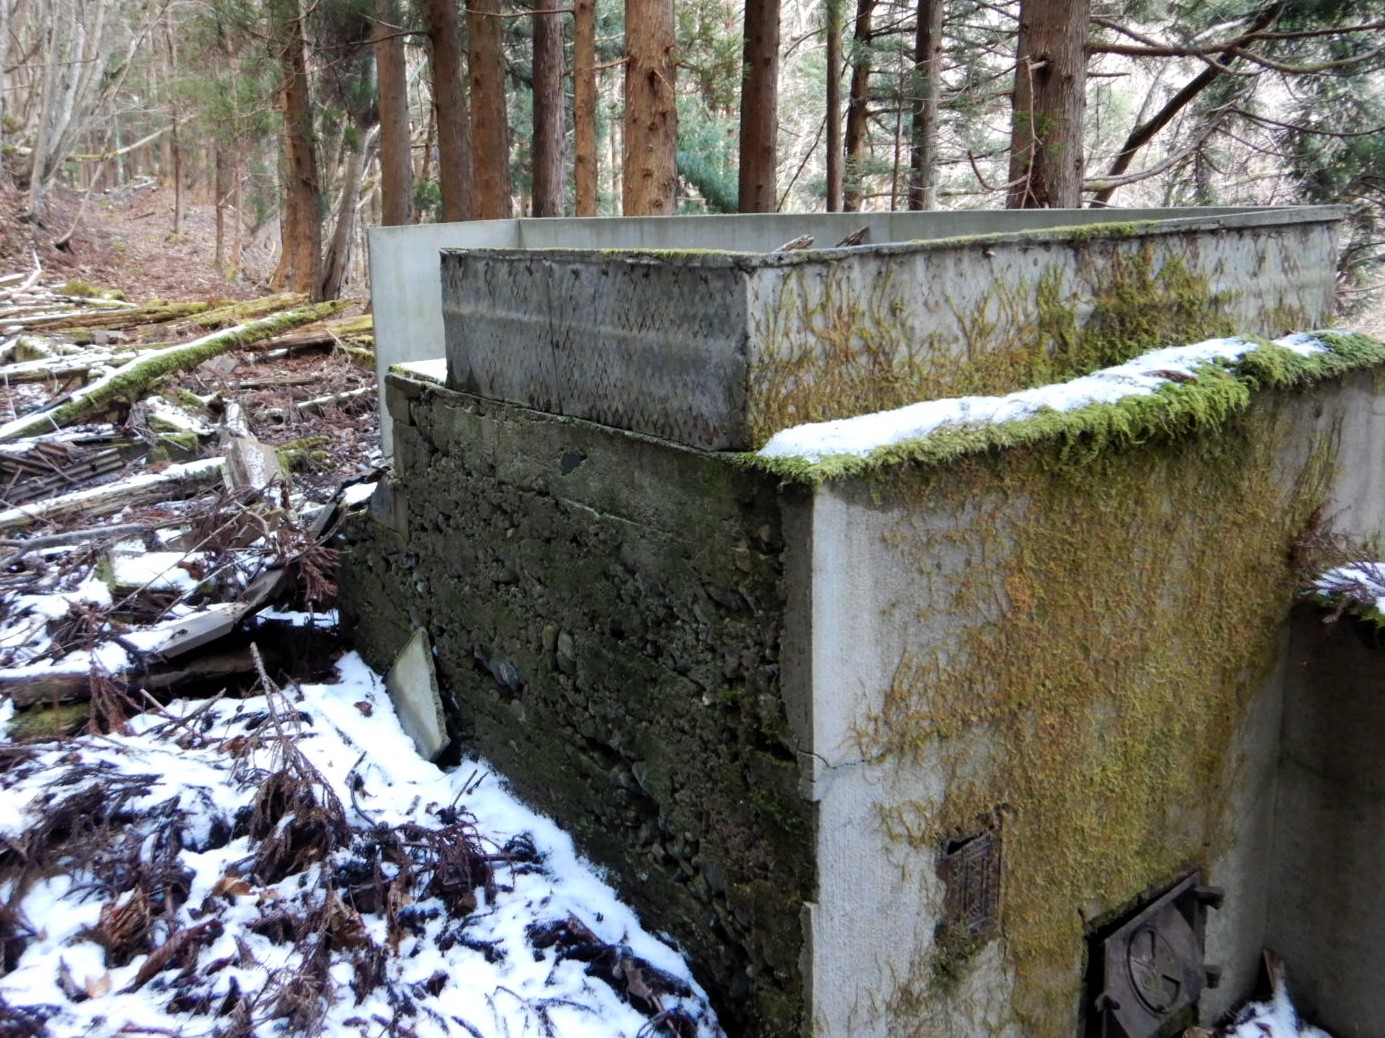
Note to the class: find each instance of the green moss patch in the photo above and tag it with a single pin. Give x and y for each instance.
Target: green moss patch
(1116, 612)
(833, 349)
(1174, 410)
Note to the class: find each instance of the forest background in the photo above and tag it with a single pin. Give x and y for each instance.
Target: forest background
(299, 123)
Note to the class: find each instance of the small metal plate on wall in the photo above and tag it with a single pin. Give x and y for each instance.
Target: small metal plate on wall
(970, 870)
(1152, 973)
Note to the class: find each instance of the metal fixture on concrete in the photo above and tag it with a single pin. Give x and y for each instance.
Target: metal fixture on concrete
(970, 870)
(1152, 969)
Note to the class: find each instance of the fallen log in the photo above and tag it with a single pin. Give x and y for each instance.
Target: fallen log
(318, 404)
(58, 540)
(358, 331)
(173, 482)
(133, 379)
(62, 368)
(31, 686)
(30, 279)
(239, 313)
(108, 317)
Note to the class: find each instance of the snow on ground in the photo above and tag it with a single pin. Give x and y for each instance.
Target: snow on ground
(1361, 584)
(863, 434)
(286, 863)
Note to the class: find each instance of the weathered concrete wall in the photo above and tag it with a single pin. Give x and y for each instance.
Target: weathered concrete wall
(767, 708)
(720, 350)
(1327, 917)
(1083, 647)
(405, 287)
(607, 612)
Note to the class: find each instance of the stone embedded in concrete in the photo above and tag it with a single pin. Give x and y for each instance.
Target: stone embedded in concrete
(722, 687)
(719, 685)
(413, 688)
(607, 611)
(766, 708)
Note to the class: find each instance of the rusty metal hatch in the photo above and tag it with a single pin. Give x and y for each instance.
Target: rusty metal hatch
(970, 870)
(1149, 970)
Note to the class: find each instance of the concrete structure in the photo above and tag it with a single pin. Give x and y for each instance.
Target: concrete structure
(991, 257)
(900, 752)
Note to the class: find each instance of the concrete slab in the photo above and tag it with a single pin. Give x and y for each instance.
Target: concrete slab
(413, 688)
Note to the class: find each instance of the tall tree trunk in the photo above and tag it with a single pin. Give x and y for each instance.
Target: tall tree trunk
(175, 145)
(344, 233)
(759, 107)
(858, 107)
(456, 163)
(396, 158)
(1046, 161)
(38, 183)
(923, 144)
(583, 103)
(834, 105)
(490, 136)
(649, 186)
(221, 187)
(238, 226)
(5, 6)
(300, 221)
(549, 104)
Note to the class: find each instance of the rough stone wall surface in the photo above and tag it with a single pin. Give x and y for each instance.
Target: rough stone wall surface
(607, 612)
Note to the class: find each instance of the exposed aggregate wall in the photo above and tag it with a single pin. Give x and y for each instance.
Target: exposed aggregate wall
(606, 611)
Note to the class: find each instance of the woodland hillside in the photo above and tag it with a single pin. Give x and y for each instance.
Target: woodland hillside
(281, 129)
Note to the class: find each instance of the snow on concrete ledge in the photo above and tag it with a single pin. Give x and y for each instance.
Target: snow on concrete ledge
(434, 370)
(823, 449)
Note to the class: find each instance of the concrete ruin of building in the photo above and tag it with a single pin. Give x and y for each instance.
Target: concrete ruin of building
(903, 746)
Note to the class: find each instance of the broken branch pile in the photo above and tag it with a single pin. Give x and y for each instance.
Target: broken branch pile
(246, 870)
(146, 524)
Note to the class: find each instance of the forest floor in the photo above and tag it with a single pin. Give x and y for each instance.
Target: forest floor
(211, 821)
(125, 241)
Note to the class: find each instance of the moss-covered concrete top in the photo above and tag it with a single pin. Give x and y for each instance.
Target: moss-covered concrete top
(1085, 225)
(1162, 394)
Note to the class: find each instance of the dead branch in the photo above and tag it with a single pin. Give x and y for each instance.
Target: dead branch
(174, 482)
(134, 379)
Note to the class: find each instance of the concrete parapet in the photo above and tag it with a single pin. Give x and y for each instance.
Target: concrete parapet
(1284, 281)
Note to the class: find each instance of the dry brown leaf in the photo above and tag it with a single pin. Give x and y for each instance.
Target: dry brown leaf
(231, 885)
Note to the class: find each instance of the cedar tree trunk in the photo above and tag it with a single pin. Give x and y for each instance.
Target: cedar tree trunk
(396, 158)
(834, 105)
(759, 107)
(490, 130)
(456, 170)
(584, 103)
(300, 221)
(549, 103)
(923, 145)
(1046, 161)
(858, 106)
(650, 183)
